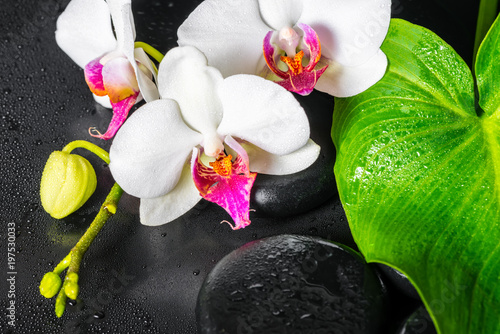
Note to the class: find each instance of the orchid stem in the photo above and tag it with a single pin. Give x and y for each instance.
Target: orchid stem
(63, 264)
(157, 55)
(51, 283)
(108, 209)
(485, 18)
(89, 146)
(74, 258)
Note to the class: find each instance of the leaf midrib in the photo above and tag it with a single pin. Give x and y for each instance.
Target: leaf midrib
(436, 171)
(489, 125)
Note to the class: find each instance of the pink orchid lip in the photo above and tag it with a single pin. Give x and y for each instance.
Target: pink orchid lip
(93, 77)
(120, 113)
(297, 79)
(115, 79)
(228, 183)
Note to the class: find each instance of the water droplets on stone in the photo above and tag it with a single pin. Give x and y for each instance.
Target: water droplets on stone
(293, 283)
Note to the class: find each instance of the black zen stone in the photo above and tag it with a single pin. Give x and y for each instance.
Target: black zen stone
(287, 195)
(291, 284)
(399, 280)
(419, 322)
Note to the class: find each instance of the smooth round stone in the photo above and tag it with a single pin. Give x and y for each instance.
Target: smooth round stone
(286, 195)
(291, 284)
(419, 322)
(399, 280)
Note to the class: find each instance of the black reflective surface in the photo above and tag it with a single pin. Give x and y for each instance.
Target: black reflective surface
(133, 278)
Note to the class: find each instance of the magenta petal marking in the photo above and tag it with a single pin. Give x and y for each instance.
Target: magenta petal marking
(311, 39)
(93, 77)
(297, 79)
(203, 176)
(120, 113)
(303, 83)
(241, 163)
(269, 56)
(230, 192)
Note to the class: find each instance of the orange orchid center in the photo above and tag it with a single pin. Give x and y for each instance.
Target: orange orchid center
(295, 63)
(223, 165)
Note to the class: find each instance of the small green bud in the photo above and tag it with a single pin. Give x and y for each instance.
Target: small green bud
(71, 290)
(60, 304)
(60, 307)
(50, 284)
(68, 180)
(72, 277)
(71, 287)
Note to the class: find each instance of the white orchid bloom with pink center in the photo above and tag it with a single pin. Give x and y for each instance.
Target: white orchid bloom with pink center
(116, 72)
(176, 150)
(330, 45)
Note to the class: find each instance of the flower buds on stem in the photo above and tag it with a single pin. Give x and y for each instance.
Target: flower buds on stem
(61, 199)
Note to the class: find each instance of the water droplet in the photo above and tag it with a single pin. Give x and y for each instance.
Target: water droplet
(99, 315)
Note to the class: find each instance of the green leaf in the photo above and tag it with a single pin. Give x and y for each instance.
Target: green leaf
(488, 71)
(485, 17)
(418, 172)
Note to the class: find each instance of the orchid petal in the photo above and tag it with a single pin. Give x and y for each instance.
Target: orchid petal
(242, 162)
(228, 32)
(351, 32)
(273, 164)
(263, 113)
(344, 81)
(185, 77)
(93, 77)
(203, 176)
(120, 113)
(119, 79)
(143, 59)
(123, 22)
(269, 56)
(280, 13)
(149, 151)
(103, 101)
(229, 192)
(84, 30)
(311, 40)
(146, 85)
(164, 209)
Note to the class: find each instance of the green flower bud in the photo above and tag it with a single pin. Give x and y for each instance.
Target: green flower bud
(50, 284)
(72, 277)
(68, 180)
(71, 287)
(71, 290)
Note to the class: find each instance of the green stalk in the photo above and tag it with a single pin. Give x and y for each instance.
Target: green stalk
(108, 209)
(51, 283)
(89, 146)
(485, 18)
(157, 55)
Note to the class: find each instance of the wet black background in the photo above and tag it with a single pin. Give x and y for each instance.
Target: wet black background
(133, 278)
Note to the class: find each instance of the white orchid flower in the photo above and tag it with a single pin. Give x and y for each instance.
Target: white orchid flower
(339, 39)
(118, 74)
(201, 112)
